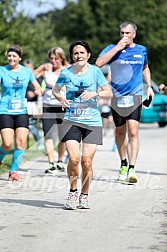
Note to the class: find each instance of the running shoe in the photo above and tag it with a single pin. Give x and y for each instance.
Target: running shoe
(83, 202)
(71, 203)
(132, 178)
(123, 172)
(13, 176)
(60, 166)
(52, 169)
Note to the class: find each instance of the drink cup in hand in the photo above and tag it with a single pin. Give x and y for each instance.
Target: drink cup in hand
(125, 39)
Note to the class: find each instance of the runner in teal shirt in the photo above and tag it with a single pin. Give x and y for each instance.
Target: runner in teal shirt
(82, 123)
(14, 85)
(82, 111)
(14, 121)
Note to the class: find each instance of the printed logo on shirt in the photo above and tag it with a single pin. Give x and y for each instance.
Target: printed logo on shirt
(132, 62)
(137, 56)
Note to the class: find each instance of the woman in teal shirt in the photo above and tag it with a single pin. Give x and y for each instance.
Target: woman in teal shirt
(14, 79)
(82, 122)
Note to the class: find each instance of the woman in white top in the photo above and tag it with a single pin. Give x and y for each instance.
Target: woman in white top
(52, 108)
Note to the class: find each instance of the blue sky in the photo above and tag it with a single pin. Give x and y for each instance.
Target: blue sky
(30, 8)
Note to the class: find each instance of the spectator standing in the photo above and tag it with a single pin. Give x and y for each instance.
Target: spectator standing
(33, 108)
(163, 88)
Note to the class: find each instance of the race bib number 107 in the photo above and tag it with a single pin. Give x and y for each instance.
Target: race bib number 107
(80, 111)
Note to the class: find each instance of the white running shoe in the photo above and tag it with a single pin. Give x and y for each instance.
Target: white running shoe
(83, 202)
(60, 166)
(71, 203)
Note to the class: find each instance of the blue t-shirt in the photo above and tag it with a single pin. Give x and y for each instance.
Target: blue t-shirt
(14, 85)
(81, 111)
(126, 69)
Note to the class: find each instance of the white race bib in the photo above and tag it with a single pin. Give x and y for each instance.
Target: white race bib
(125, 101)
(16, 105)
(80, 111)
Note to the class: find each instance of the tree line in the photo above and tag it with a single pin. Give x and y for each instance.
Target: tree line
(95, 21)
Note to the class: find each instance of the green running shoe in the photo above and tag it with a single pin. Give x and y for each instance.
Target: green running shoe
(123, 172)
(132, 178)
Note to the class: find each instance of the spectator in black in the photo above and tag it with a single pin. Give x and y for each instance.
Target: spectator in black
(33, 109)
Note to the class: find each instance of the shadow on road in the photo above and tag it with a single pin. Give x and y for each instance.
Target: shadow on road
(34, 203)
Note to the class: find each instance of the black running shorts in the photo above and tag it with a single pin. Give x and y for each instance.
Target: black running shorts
(14, 121)
(120, 115)
(78, 132)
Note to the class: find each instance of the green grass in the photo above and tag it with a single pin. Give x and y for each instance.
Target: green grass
(31, 152)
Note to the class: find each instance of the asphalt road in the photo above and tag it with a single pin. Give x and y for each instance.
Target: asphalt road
(123, 218)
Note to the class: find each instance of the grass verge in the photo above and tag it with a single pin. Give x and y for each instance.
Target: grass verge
(30, 153)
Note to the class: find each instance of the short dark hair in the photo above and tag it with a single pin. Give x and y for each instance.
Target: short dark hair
(82, 43)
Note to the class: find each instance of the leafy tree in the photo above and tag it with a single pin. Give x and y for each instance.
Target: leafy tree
(95, 21)
(98, 22)
(35, 36)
